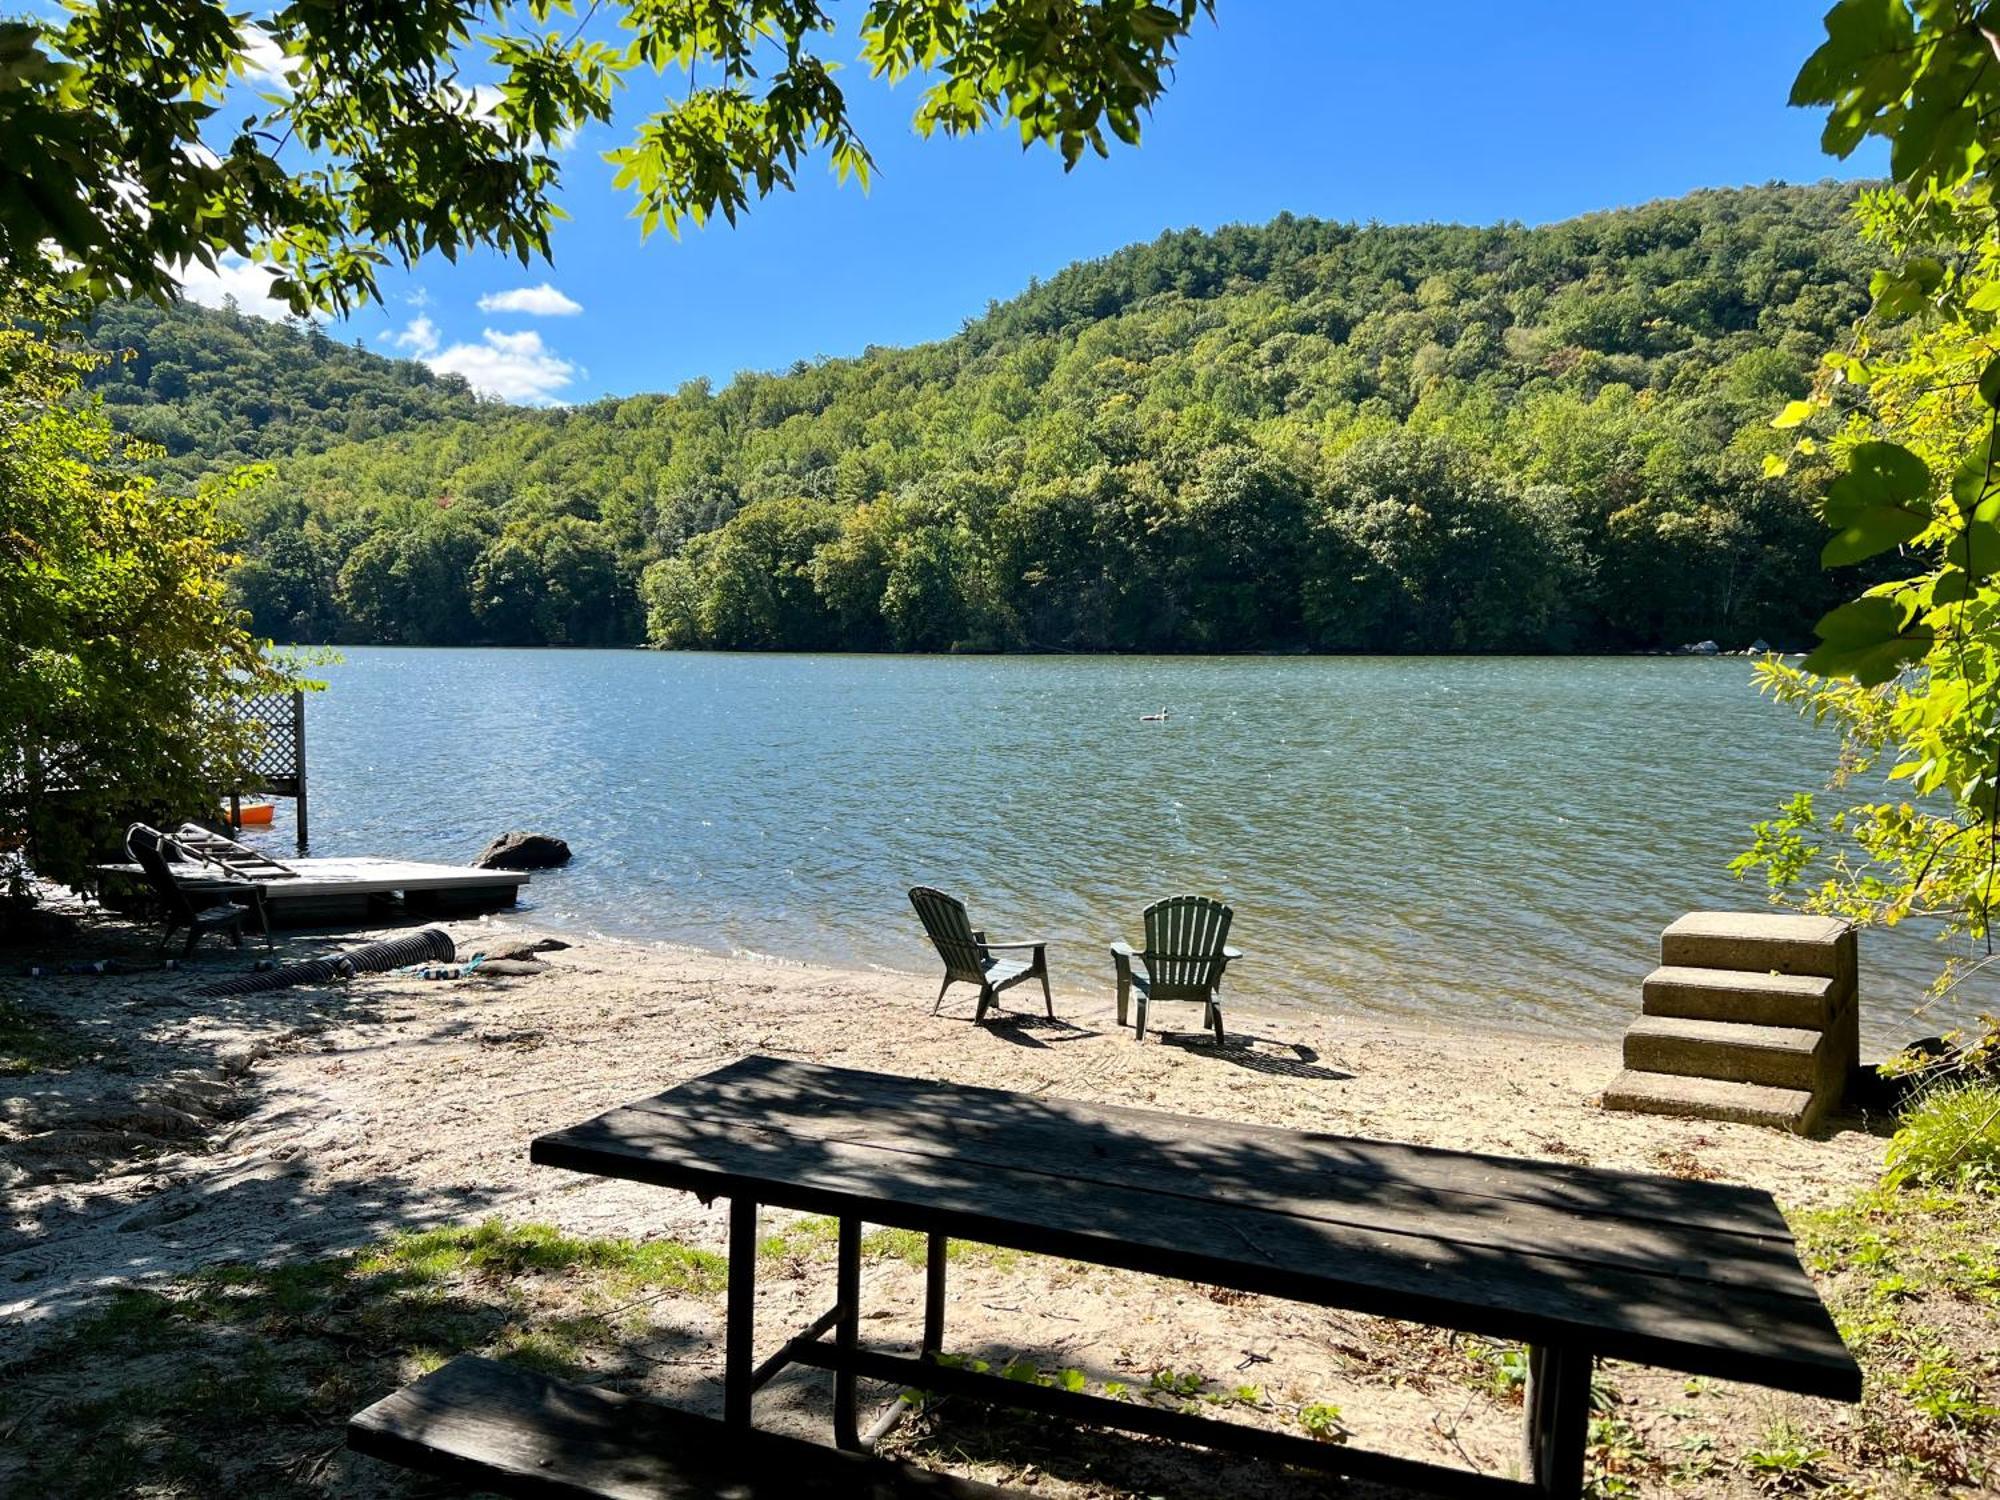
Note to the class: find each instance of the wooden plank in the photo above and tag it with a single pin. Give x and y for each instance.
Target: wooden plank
(1783, 1341)
(1229, 1154)
(1343, 1181)
(324, 879)
(500, 1428)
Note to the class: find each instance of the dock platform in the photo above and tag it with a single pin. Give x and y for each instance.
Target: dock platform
(323, 891)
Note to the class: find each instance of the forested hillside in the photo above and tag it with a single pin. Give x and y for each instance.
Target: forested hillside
(1304, 435)
(219, 389)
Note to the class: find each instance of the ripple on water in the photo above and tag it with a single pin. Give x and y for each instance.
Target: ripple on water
(1474, 840)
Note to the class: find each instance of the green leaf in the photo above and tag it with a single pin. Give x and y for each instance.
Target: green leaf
(1794, 413)
(1950, 587)
(1976, 550)
(1865, 640)
(1882, 501)
(1972, 483)
(1876, 529)
(1989, 384)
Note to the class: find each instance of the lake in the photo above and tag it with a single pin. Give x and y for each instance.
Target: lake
(1476, 840)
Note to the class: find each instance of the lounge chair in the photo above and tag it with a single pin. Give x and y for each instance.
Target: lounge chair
(1184, 956)
(969, 957)
(201, 906)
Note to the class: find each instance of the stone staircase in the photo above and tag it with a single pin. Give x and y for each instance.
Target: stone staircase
(1751, 1016)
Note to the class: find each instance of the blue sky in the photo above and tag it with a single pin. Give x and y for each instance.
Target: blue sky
(1459, 110)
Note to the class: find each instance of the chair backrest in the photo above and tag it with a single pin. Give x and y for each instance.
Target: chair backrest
(950, 930)
(1184, 938)
(148, 847)
(232, 858)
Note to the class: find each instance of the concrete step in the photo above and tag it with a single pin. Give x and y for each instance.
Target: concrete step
(1761, 943)
(1712, 1099)
(1785, 1057)
(1803, 1000)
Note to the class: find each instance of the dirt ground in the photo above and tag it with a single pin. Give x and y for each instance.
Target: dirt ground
(168, 1133)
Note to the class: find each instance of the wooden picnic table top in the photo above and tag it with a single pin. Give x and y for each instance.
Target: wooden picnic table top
(1699, 1277)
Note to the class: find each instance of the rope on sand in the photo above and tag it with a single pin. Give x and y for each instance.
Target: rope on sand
(431, 945)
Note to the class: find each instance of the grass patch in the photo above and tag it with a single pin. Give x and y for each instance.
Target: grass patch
(501, 1252)
(1913, 1278)
(240, 1379)
(31, 1042)
(816, 1236)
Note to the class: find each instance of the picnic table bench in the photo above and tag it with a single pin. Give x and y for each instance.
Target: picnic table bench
(1578, 1263)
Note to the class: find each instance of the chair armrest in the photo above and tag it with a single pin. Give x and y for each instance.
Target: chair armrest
(1038, 943)
(1232, 952)
(1123, 950)
(979, 936)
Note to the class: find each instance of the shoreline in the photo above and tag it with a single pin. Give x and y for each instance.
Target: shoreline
(389, 1100)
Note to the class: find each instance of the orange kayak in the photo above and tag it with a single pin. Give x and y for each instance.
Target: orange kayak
(254, 813)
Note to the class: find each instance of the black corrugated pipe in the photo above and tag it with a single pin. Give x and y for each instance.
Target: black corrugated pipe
(432, 945)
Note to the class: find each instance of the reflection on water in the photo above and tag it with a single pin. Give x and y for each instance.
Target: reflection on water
(1485, 840)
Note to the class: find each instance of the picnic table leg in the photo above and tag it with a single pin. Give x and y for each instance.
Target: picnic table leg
(1558, 1419)
(740, 1330)
(934, 1254)
(846, 1334)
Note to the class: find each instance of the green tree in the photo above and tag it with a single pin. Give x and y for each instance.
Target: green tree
(552, 583)
(125, 151)
(1239, 560)
(1130, 456)
(289, 588)
(1909, 670)
(119, 651)
(413, 584)
(1421, 550)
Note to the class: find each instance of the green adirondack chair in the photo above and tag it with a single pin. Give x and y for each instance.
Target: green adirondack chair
(1185, 953)
(970, 959)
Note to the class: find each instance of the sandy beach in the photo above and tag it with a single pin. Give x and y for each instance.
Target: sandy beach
(181, 1133)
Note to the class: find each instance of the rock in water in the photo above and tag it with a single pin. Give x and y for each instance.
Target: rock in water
(524, 851)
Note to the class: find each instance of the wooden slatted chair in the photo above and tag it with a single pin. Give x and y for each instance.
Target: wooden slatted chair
(969, 957)
(1186, 951)
(201, 906)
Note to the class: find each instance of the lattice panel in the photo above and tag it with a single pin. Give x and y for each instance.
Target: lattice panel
(279, 757)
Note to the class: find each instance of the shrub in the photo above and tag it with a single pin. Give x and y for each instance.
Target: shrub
(1950, 1138)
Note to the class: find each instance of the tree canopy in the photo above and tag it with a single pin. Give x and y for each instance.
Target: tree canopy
(393, 129)
(214, 390)
(1299, 435)
(1908, 668)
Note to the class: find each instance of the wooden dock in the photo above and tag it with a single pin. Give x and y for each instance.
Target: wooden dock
(321, 892)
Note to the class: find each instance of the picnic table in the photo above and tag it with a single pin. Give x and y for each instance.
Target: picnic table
(1578, 1263)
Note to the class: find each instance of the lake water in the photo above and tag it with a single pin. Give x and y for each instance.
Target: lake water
(1477, 840)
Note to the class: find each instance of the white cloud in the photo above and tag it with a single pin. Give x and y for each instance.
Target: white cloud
(236, 277)
(512, 366)
(264, 61)
(542, 301)
(485, 99)
(420, 337)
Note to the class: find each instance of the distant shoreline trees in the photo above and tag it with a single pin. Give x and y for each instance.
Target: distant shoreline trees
(1304, 436)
